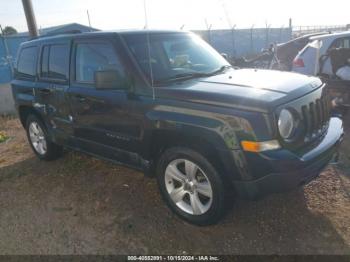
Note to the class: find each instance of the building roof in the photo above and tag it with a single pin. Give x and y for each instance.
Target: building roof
(61, 29)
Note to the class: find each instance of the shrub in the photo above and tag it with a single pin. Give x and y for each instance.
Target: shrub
(3, 137)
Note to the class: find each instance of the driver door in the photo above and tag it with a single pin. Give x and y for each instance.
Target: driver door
(102, 124)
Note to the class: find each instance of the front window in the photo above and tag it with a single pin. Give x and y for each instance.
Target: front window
(170, 56)
(94, 57)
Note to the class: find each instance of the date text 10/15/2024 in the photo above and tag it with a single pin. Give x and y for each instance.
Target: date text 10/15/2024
(173, 258)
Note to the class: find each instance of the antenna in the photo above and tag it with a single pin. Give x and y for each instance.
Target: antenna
(208, 29)
(88, 17)
(227, 16)
(145, 10)
(149, 48)
(231, 26)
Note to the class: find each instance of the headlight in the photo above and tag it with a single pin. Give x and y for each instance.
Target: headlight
(286, 124)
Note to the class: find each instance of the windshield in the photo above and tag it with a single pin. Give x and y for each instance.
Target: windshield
(173, 56)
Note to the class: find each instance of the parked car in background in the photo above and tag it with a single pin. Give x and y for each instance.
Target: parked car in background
(277, 56)
(328, 56)
(167, 104)
(286, 52)
(313, 59)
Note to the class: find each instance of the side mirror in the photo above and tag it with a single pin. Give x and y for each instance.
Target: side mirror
(109, 79)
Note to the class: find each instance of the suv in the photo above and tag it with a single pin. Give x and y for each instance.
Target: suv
(166, 103)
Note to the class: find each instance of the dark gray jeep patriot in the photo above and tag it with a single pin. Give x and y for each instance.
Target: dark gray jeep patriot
(166, 103)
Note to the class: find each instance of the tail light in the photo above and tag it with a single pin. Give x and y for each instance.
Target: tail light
(298, 62)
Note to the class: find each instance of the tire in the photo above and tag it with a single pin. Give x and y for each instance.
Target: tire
(39, 140)
(191, 186)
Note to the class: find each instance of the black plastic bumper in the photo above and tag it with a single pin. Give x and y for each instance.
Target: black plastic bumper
(309, 167)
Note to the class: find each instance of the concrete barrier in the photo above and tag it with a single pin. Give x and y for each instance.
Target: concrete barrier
(7, 105)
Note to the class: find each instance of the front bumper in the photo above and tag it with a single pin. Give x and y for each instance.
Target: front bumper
(297, 171)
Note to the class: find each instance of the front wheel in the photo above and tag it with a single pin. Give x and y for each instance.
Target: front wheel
(191, 186)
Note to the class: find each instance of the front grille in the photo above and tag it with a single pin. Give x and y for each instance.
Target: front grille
(315, 117)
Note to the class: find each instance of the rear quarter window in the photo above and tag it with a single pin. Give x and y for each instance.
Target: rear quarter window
(27, 60)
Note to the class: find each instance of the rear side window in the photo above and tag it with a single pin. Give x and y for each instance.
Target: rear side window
(55, 62)
(45, 62)
(341, 43)
(27, 62)
(93, 57)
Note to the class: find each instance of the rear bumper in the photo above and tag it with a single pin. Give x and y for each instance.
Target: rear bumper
(302, 169)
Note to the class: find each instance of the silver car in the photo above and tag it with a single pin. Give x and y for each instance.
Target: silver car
(307, 62)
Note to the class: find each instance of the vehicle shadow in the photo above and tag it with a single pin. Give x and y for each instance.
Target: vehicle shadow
(80, 205)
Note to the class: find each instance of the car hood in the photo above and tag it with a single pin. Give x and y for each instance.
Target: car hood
(251, 89)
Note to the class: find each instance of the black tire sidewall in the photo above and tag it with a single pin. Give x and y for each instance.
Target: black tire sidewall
(50, 150)
(217, 208)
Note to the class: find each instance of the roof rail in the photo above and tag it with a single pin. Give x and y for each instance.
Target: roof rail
(76, 31)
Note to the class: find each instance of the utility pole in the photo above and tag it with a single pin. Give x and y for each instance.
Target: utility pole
(30, 17)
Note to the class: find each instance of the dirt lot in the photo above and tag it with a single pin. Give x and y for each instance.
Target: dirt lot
(80, 205)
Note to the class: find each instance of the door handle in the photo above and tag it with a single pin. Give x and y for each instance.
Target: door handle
(80, 98)
(45, 91)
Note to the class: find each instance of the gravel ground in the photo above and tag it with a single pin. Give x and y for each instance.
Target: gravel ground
(80, 205)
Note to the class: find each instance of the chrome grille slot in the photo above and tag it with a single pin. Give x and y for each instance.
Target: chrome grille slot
(315, 117)
(318, 114)
(322, 111)
(307, 120)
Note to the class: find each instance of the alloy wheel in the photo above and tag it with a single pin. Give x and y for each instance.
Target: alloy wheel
(188, 187)
(37, 138)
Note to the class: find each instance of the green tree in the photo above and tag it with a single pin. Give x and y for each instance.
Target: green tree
(9, 30)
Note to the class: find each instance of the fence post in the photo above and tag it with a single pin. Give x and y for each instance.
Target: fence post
(267, 36)
(233, 41)
(251, 40)
(7, 52)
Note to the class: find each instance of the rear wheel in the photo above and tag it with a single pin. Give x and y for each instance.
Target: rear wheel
(191, 186)
(39, 140)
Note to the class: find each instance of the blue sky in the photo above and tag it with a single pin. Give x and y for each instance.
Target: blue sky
(172, 14)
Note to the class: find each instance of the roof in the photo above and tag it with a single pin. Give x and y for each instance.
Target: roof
(106, 33)
(331, 36)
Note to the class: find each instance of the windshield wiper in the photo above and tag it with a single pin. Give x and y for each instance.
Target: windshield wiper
(182, 76)
(219, 70)
(191, 75)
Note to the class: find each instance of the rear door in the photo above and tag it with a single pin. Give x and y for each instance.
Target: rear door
(53, 84)
(327, 68)
(24, 83)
